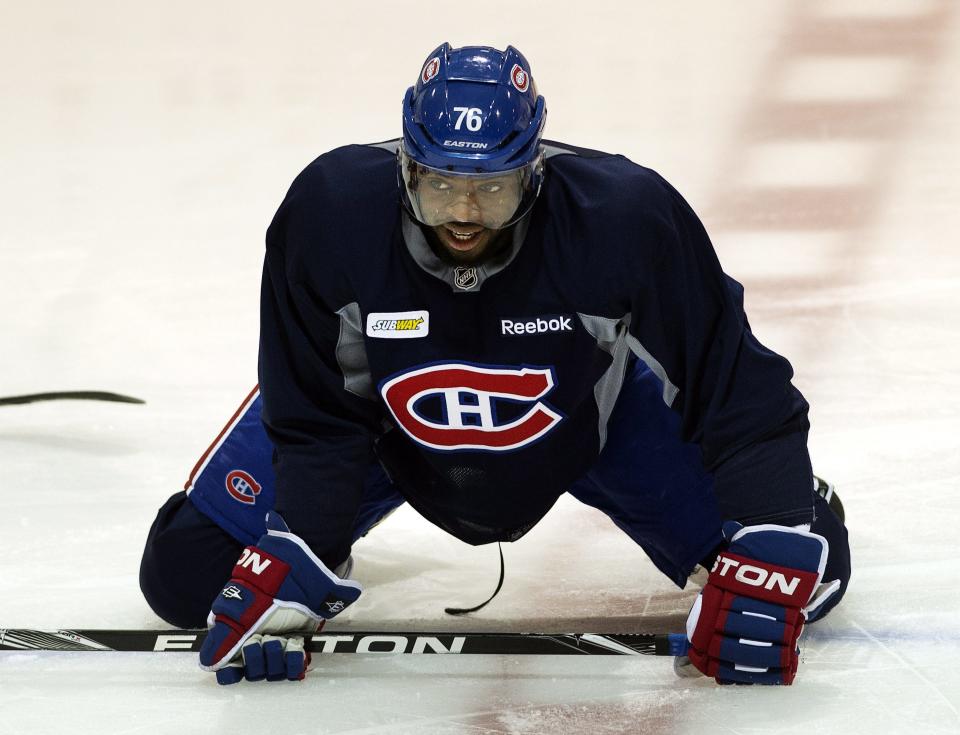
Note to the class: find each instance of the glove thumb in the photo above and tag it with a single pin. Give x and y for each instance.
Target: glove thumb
(731, 529)
(275, 522)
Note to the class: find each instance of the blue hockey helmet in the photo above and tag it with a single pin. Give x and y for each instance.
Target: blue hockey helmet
(472, 126)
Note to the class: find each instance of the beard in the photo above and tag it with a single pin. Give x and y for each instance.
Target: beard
(495, 242)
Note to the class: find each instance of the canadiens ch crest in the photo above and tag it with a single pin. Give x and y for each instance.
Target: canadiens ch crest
(242, 487)
(458, 406)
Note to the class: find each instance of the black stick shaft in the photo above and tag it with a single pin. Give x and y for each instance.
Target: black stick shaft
(73, 395)
(650, 644)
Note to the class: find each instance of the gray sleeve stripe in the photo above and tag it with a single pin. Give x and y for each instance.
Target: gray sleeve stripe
(613, 337)
(609, 335)
(352, 353)
(669, 389)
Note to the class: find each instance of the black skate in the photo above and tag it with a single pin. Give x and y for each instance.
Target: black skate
(828, 492)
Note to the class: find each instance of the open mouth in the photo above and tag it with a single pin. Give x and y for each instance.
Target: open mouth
(462, 236)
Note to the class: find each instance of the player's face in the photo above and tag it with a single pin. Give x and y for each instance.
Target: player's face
(469, 204)
(488, 200)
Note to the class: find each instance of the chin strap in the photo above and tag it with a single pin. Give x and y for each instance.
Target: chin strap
(465, 610)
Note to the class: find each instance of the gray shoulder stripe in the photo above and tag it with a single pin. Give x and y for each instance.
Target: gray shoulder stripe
(388, 145)
(549, 151)
(352, 353)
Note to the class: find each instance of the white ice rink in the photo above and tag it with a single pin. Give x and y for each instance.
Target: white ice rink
(143, 150)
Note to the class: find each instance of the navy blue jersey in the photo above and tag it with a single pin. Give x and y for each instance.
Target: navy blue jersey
(486, 390)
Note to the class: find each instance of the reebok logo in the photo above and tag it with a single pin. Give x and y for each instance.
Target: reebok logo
(755, 576)
(537, 326)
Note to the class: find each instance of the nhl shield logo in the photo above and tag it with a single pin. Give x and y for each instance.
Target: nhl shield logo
(465, 278)
(242, 487)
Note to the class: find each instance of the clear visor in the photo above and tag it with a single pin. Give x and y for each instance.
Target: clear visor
(436, 197)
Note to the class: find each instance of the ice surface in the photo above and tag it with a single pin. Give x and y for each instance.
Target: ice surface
(143, 151)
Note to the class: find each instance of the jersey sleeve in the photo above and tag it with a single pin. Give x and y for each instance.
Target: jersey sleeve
(734, 396)
(322, 433)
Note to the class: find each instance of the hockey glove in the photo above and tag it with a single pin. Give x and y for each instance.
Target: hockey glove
(278, 588)
(744, 626)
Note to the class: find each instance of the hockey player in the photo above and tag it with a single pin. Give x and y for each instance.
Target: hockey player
(475, 320)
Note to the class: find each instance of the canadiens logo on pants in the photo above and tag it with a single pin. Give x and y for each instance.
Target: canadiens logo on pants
(242, 487)
(465, 400)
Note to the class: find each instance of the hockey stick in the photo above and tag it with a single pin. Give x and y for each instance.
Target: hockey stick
(81, 395)
(511, 644)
